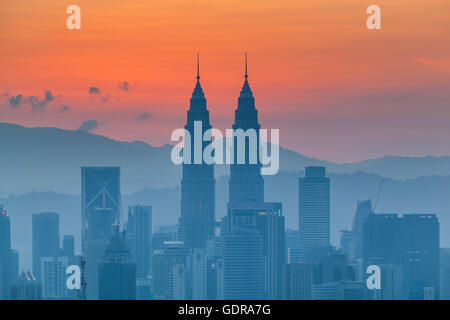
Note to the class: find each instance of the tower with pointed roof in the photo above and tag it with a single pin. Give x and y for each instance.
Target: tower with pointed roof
(246, 183)
(197, 218)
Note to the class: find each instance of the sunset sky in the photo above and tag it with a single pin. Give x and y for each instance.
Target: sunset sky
(335, 89)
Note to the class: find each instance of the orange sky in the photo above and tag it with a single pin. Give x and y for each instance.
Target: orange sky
(334, 89)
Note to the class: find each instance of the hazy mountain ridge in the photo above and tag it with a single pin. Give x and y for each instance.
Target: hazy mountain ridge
(49, 159)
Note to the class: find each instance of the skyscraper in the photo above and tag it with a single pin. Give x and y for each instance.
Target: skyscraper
(68, 246)
(197, 218)
(421, 255)
(26, 287)
(360, 213)
(410, 242)
(45, 236)
(53, 278)
(246, 182)
(117, 272)
(243, 265)
(298, 281)
(140, 234)
(169, 271)
(100, 205)
(314, 215)
(8, 257)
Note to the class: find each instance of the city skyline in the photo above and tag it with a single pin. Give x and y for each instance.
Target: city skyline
(98, 201)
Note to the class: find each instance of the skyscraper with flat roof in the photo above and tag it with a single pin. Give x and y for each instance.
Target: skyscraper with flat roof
(45, 234)
(169, 271)
(313, 215)
(140, 234)
(197, 218)
(410, 242)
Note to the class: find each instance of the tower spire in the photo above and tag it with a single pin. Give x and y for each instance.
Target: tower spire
(246, 75)
(198, 66)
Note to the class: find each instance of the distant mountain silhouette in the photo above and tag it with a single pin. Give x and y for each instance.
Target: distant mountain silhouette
(49, 159)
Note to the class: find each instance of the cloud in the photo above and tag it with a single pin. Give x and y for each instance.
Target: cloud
(64, 108)
(89, 125)
(105, 99)
(14, 101)
(143, 117)
(125, 86)
(36, 103)
(94, 90)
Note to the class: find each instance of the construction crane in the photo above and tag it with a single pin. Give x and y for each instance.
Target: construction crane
(378, 194)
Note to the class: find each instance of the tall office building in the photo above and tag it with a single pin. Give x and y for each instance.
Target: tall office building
(68, 246)
(101, 207)
(139, 233)
(298, 279)
(198, 274)
(270, 224)
(421, 255)
(444, 276)
(170, 266)
(8, 258)
(382, 240)
(410, 242)
(197, 218)
(117, 272)
(45, 234)
(54, 277)
(251, 222)
(246, 182)
(360, 213)
(213, 259)
(243, 265)
(26, 287)
(314, 215)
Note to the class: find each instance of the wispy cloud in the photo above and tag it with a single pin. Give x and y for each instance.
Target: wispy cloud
(125, 86)
(94, 90)
(89, 125)
(37, 103)
(143, 117)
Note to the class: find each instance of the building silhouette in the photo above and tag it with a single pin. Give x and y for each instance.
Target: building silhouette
(421, 255)
(54, 277)
(409, 246)
(139, 232)
(170, 276)
(45, 234)
(68, 246)
(117, 271)
(298, 279)
(314, 215)
(197, 218)
(26, 287)
(101, 207)
(360, 213)
(246, 182)
(9, 259)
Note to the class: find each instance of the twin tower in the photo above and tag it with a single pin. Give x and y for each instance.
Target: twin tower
(197, 220)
